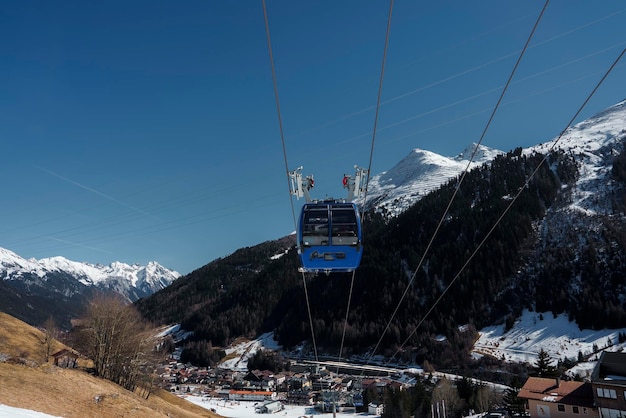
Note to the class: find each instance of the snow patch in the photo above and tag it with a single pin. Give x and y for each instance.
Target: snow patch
(9, 411)
(556, 335)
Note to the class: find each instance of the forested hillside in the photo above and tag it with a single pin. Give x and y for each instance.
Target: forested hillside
(579, 267)
(249, 293)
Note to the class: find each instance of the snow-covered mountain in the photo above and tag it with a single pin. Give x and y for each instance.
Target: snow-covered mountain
(595, 141)
(67, 278)
(419, 173)
(579, 243)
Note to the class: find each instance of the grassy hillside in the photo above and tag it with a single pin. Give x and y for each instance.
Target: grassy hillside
(28, 383)
(18, 339)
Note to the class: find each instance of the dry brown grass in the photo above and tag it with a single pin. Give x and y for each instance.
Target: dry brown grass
(240, 340)
(229, 357)
(71, 392)
(19, 339)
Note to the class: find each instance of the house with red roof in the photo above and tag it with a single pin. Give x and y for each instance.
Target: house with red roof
(556, 398)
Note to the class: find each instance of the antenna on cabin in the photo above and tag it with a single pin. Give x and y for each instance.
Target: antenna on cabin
(356, 185)
(300, 186)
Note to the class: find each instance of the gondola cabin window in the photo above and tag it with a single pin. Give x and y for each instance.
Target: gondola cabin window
(344, 226)
(315, 227)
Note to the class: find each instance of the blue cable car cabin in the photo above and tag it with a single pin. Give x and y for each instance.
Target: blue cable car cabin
(329, 236)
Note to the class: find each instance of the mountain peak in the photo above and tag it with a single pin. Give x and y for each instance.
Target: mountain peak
(419, 173)
(482, 153)
(10, 261)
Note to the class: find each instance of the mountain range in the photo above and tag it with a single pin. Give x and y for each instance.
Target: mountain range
(58, 287)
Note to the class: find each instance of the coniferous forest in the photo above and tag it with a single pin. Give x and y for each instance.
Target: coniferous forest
(490, 259)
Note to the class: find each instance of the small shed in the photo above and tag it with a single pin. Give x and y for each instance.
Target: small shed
(269, 407)
(65, 358)
(375, 408)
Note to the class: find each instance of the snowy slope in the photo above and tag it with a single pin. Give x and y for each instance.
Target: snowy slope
(11, 412)
(594, 142)
(556, 335)
(419, 173)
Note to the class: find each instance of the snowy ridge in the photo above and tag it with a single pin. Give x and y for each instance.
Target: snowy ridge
(11, 262)
(87, 274)
(132, 281)
(594, 142)
(419, 173)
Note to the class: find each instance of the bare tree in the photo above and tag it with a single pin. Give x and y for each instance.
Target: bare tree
(446, 397)
(117, 339)
(482, 398)
(48, 338)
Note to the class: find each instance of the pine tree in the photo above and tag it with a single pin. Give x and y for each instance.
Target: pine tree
(514, 404)
(544, 368)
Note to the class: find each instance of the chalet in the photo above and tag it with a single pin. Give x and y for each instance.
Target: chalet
(405, 380)
(251, 395)
(202, 376)
(300, 397)
(65, 358)
(253, 379)
(337, 401)
(280, 379)
(298, 381)
(554, 398)
(320, 383)
(263, 379)
(608, 380)
(377, 385)
(222, 393)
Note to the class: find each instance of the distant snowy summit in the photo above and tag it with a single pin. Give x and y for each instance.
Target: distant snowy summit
(418, 174)
(60, 275)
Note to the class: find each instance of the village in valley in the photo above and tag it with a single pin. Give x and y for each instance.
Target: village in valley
(601, 392)
(317, 388)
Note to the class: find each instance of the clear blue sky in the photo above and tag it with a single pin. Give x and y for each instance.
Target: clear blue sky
(147, 130)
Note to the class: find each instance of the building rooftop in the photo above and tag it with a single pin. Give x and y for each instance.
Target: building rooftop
(611, 366)
(557, 391)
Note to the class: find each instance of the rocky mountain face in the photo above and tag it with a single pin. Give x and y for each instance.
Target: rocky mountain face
(59, 287)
